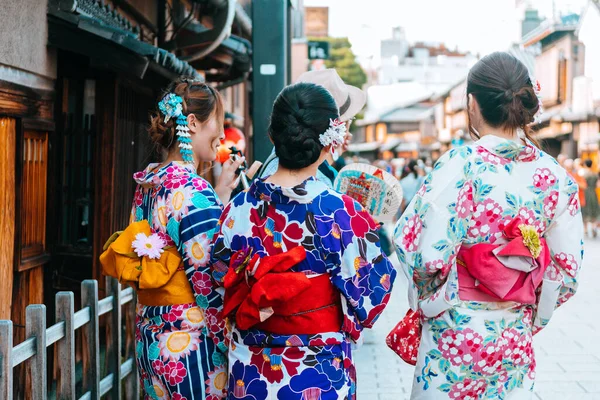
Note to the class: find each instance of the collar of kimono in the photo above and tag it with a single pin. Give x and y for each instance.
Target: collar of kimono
(154, 175)
(509, 149)
(303, 193)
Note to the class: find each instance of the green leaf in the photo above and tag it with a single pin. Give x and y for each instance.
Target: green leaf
(173, 230)
(441, 245)
(139, 348)
(490, 326)
(218, 358)
(202, 301)
(444, 366)
(153, 351)
(446, 387)
(139, 214)
(435, 354)
(511, 199)
(200, 201)
(451, 377)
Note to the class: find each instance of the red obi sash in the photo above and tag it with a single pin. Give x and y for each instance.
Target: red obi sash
(270, 298)
(506, 272)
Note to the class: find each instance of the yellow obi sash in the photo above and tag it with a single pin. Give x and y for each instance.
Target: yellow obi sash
(158, 282)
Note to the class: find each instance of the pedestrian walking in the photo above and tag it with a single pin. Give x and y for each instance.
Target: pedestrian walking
(591, 210)
(165, 251)
(492, 244)
(411, 180)
(301, 265)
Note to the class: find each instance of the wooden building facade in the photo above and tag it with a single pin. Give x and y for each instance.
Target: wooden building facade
(77, 82)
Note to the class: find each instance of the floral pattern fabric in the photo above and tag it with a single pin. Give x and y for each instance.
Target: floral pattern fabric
(340, 240)
(180, 348)
(484, 350)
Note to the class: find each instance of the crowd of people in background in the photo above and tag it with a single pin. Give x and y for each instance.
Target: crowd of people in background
(585, 175)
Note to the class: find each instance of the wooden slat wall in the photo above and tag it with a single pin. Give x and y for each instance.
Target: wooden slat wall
(7, 216)
(33, 199)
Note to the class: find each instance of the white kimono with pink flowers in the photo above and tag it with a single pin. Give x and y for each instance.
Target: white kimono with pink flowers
(482, 349)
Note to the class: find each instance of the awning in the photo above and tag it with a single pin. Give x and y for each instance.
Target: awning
(109, 39)
(408, 146)
(390, 144)
(550, 135)
(363, 147)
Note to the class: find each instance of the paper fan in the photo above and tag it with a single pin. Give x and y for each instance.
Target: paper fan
(379, 192)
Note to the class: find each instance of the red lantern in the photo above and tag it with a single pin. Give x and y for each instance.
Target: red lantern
(233, 137)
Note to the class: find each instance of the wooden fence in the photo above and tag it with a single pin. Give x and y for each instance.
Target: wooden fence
(39, 338)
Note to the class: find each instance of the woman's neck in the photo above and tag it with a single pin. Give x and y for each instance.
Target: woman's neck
(504, 133)
(175, 156)
(292, 177)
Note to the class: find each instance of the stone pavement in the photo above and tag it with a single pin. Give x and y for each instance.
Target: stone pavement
(567, 351)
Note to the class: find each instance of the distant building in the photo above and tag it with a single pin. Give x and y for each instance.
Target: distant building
(531, 21)
(559, 60)
(299, 45)
(395, 48)
(427, 63)
(316, 21)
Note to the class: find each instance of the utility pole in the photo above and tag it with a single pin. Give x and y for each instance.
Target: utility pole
(270, 58)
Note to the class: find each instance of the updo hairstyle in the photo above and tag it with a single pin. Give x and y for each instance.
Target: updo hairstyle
(199, 99)
(504, 91)
(301, 113)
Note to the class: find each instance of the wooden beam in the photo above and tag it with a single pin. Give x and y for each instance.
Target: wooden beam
(106, 111)
(8, 137)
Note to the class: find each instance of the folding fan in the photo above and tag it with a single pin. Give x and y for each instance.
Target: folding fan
(379, 192)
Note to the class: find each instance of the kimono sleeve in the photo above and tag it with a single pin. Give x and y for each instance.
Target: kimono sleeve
(430, 233)
(565, 241)
(365, 276)
(194, 238)
(221, 251)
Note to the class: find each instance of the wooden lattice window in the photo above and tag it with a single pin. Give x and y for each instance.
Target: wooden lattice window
(32, 204)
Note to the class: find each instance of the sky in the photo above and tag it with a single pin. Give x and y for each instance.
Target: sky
(479, 26)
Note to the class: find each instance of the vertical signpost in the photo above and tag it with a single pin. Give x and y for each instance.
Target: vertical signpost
(270, 37)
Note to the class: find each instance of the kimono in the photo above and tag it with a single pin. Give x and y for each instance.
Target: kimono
(179, 347)
(479, 202)
(338, 241)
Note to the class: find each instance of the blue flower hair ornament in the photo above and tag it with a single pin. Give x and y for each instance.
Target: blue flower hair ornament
(171, 106)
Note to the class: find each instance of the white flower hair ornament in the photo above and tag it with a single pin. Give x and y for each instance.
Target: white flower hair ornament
(334, 135)
(537, 88)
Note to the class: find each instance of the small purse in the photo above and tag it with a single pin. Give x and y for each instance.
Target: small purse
(405, 338)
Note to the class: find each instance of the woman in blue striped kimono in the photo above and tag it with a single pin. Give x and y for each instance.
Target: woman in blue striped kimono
(165, 251)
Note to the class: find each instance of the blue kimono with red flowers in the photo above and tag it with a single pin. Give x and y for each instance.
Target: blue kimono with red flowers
(341, 241)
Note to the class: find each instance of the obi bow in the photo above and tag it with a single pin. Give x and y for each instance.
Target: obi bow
(120, 261)
(254, 285)
(511, 271)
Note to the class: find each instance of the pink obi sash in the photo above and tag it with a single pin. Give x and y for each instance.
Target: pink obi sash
(504, 272)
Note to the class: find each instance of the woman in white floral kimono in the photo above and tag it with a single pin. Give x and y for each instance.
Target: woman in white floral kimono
(492, 244)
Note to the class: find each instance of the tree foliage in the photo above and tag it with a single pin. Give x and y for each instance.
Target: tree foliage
(343, 60)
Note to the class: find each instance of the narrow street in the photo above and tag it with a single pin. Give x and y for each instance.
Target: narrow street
(567, 351)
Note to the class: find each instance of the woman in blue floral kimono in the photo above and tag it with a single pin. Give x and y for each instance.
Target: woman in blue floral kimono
(165, 251)
(301, 265)
(492, 243)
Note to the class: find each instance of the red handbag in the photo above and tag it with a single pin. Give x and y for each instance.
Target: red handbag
(405, 338)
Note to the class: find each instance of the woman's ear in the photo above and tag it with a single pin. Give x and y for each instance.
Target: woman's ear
(193, 123)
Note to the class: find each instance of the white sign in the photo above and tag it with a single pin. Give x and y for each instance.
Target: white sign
(268, 69)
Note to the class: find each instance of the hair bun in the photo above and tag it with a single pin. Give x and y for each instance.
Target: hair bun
(300, 114)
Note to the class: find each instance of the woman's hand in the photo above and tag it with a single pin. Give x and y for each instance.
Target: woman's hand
(228, 180)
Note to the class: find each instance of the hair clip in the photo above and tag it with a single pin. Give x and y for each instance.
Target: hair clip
(335, 134)
(171, 106)
(537, 88)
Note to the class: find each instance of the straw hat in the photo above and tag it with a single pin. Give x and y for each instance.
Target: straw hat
(350, 99)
